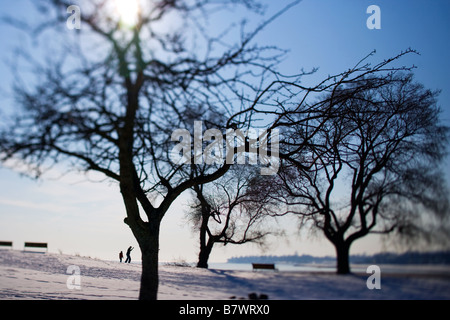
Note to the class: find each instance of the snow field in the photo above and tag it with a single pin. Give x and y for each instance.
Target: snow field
(38, 276)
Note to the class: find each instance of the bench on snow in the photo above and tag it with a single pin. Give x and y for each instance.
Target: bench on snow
(36, 245)
(6, 244)
(265, 266)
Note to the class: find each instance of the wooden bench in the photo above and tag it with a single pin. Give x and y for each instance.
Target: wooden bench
(6, 244)
(36, 245)
(264, 266)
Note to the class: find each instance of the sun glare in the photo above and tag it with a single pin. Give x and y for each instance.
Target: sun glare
(128, 11)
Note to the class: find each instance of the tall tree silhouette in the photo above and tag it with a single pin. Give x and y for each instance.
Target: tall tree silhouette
(109, 95)
(227, 211)
(370, 156)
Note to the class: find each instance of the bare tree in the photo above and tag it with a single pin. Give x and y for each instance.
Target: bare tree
(372, 164)
(110, 97)
(226, 211)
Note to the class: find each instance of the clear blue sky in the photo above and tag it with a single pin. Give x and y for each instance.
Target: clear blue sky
(78, 216)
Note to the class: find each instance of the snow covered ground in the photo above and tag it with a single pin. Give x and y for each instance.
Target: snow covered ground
(29, 275)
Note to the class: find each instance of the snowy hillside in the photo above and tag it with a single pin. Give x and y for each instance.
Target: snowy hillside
(27, 275)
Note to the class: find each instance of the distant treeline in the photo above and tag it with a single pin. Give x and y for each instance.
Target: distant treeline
(437, 257)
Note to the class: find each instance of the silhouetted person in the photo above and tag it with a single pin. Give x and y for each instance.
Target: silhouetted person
(128, 254)
(120, 256)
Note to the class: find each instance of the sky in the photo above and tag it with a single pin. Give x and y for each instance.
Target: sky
(79, 214)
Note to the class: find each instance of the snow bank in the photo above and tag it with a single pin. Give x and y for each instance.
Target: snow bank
(28, 275)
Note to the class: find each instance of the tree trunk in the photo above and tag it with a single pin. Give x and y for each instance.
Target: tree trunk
(203, 256)
(342, 257)
(149, 245)
(205, 246)
(147, 235)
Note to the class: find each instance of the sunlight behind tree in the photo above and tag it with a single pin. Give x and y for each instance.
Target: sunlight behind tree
(128, 11)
